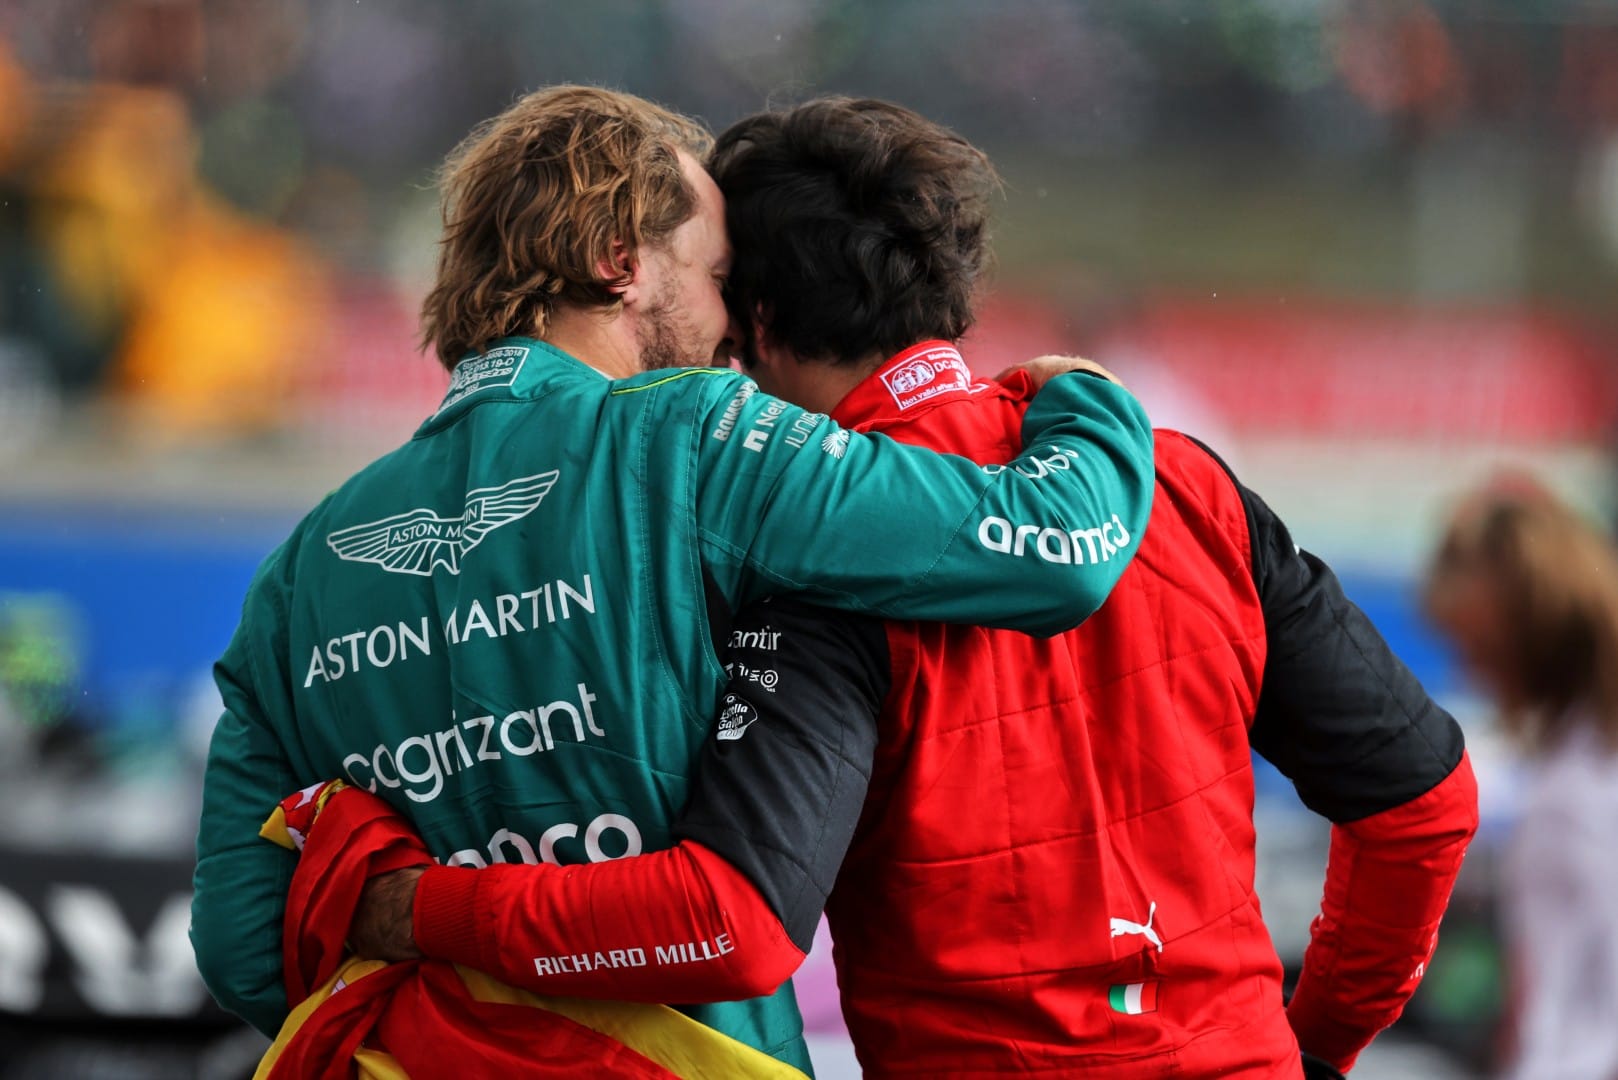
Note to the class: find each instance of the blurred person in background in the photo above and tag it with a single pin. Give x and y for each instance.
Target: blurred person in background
(1050, 843)
(137, 277)
(1528, 591)
(508, 628)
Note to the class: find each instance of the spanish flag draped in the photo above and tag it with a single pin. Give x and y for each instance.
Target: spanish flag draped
(359, 1018)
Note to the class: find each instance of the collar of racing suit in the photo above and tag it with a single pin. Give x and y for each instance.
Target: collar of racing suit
(915, 381)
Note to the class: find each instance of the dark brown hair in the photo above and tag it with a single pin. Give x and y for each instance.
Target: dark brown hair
(1554, 577)
(857, 225)
(533, 200)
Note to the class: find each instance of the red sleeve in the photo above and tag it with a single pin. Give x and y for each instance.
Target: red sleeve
(677, 925)
(1388, 880)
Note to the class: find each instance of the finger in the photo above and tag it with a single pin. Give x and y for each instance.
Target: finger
(1043, 369)
(1039, 364)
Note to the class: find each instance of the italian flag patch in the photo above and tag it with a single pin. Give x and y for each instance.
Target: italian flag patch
(1134, 999)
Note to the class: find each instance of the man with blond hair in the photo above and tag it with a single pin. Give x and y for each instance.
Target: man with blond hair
(509, 627)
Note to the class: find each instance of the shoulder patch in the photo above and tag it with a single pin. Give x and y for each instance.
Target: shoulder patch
(495, 368)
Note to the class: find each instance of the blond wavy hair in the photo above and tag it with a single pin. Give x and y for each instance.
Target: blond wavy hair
(1554, 578)
(533, 201)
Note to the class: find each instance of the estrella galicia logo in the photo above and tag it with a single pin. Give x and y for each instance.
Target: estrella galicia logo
(419, 541)
(735, 718)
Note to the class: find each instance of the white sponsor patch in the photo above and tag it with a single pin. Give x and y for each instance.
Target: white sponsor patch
(835, 443)
(766, 638)
(676, 952)
(421, 540)
(1120, 927)
(924, 376)
(727, 422)
(577, 962)
(421, 764)
(497, 367)
(768, 678)
(736, 717)
(1076, 547)
(1037, 468)
(602, 832)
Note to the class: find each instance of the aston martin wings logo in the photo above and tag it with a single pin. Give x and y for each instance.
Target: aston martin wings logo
(419, 541)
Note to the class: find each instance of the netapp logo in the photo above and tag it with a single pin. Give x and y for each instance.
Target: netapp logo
(1076, 546)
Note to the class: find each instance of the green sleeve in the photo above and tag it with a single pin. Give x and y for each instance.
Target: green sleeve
(788, 501)
(240, 886)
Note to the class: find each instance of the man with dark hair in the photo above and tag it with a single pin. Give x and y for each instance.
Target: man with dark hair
(503, 627)
(1049, 843)
(870, 237)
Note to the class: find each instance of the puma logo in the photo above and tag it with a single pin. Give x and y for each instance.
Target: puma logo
(1124, 926)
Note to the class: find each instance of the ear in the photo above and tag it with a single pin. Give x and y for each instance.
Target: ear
(619, 273)
(759, 329)
(765, 351)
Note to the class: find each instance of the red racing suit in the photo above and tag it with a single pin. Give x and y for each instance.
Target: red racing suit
(1053, 869)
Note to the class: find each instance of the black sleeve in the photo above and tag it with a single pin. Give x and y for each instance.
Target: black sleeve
(780, 784)
(1339, 714)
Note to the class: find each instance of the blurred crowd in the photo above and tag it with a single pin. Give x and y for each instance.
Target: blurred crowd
(218, 214)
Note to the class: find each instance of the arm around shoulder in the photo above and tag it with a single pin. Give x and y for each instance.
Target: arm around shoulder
(730, 911)
(795, 503)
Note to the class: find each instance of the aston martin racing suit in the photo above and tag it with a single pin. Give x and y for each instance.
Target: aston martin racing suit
(501, 627)
(1053, 872)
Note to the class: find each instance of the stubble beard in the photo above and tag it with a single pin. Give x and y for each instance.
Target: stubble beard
(665, 337)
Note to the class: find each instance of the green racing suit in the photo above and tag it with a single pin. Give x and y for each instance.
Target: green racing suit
(502, 627)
